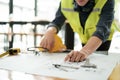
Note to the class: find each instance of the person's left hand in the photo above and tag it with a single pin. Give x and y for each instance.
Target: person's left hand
(76, 56)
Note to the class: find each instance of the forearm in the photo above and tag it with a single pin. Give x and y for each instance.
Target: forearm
(92, 44)
(103, 27)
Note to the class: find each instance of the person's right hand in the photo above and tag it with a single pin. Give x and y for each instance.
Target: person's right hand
(48, 40)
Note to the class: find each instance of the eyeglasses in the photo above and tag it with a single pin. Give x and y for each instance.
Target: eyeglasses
(37, 50)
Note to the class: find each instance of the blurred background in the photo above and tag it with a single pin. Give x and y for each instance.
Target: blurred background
(23, 22)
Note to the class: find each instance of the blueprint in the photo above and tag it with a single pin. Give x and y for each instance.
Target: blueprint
(43, 65)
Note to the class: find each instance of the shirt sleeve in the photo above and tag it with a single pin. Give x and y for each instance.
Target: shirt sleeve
(59, 19)
(105, 21)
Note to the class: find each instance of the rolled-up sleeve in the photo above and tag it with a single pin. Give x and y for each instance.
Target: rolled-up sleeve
(105, 21)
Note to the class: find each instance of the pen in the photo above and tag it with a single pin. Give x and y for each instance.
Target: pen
(58, 65)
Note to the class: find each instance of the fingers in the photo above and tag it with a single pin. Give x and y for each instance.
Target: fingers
(78, 58)
(47, 42)
(75, 56)
(68, 57)
(46, 45)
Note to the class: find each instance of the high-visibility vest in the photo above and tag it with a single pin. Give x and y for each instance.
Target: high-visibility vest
(67, 8)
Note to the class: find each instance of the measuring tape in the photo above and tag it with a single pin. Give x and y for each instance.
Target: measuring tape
(12, 51)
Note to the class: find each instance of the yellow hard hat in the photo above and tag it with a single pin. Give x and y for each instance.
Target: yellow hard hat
(57, 47)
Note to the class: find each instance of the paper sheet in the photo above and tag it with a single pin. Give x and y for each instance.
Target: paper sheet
(42, 65)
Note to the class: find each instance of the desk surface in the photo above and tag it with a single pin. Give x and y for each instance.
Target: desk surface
(16, 75)
(28, 64)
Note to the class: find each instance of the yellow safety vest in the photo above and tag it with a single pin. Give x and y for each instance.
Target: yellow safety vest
(72, 16)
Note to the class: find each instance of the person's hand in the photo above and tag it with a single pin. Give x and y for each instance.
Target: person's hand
(76, 56)
(47, 40)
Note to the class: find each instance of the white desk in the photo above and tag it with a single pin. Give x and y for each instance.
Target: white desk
(42, 65)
